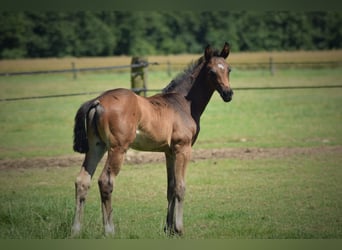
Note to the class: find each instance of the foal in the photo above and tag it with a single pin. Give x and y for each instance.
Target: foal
(168, 122)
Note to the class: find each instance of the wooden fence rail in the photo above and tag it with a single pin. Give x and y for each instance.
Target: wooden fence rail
(139, 76)
(74, 69)
(169, 67)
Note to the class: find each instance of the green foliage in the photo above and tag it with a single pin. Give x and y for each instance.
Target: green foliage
(88, 33)
(13, 35)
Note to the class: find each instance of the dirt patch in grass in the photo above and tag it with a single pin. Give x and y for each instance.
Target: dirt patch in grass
(135, 157)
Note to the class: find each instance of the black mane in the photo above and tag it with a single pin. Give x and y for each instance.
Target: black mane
(183, 82)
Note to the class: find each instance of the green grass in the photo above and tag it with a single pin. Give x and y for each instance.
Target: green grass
(292, 197)
(283, 118)
(297, 196)
(43, 127)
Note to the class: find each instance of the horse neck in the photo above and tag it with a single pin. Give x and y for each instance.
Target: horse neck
(199, 96)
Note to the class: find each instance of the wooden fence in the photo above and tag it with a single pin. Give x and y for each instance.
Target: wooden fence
(139, 74)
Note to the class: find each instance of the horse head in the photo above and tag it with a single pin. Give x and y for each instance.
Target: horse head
(218, 71)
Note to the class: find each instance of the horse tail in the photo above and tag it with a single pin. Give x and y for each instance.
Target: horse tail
(80, 128)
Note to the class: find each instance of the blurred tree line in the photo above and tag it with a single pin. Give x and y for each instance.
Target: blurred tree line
(81, 33)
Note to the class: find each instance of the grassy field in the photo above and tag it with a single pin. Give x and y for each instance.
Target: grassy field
(278, 196)
(43, 127)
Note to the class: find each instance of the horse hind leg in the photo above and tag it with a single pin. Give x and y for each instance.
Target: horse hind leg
(106, 186)
(82, 184)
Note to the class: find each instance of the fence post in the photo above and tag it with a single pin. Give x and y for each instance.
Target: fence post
(271, 66)
(74, 70)
(139, 75)
(168, 68)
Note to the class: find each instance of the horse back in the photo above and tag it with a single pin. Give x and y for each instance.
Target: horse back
(150, 124)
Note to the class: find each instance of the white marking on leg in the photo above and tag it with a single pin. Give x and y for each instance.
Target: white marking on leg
(109, 229)
(76, 229)
(179, 216)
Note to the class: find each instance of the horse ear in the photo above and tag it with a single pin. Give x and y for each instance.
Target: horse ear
(225, 51)
(208, 53)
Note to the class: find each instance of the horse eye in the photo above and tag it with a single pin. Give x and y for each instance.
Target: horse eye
(212, 73)
(229, 70)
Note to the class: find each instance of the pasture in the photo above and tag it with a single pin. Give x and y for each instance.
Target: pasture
(283, 181)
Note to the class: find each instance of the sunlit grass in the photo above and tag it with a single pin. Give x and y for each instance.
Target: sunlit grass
(295, 196)
(284, 118)
(277, 197)
(303, 117)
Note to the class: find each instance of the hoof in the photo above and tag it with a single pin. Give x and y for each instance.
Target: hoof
(75, 230)
(172, 231)
(109, 230)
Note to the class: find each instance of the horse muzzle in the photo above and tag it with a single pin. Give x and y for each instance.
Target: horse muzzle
(227, 95)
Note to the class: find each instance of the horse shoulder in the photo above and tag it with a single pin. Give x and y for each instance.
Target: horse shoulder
(184, 126)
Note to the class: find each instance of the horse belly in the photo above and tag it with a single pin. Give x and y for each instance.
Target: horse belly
(145, 142)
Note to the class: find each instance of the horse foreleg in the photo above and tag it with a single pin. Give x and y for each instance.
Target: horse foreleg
(170, 194)
(176, 167)
(106, 185)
